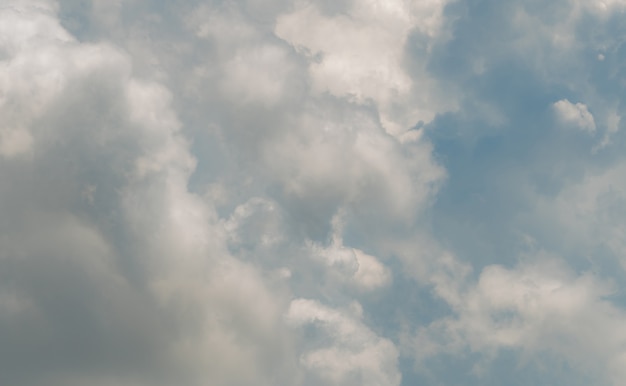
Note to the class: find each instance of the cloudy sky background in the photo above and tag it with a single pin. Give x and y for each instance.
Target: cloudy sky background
(278, 192)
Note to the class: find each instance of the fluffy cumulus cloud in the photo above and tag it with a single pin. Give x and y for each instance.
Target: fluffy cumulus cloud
(540, 309)
(576, 115)
(354, 192)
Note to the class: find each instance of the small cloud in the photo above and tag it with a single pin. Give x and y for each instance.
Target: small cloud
(350, 265)
(575, 115)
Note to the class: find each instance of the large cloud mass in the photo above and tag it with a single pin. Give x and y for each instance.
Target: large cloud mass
(312, 192)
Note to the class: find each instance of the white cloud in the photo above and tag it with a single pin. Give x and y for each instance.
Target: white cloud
(360, 54)
(251, 69)
(174, 175)
(536, 307)
(587, 214)
(357, 356)
(577, 115)
(259, 74)
(191, 289)
(605, 7)
(351, 265)
(336, 158)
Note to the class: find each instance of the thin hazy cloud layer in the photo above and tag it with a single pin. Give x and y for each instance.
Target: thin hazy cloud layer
(308, 193)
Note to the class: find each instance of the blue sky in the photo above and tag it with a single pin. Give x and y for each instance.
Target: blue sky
(380, 192)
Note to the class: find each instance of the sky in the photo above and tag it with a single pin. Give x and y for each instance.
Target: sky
(312, 192)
